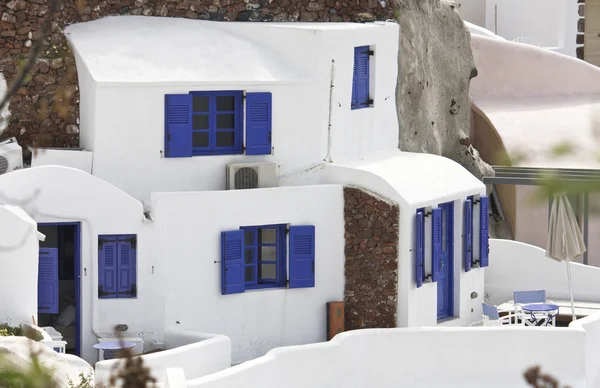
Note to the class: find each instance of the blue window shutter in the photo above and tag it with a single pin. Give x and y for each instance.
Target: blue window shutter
(232, 262)
(484, 229)
(302, 256)
(468, 234)
(178, 125)
(437, 243)
(420, 251)
(107, 267)
(258, 123)
(361, 77)
(48, 281)
(127, 287)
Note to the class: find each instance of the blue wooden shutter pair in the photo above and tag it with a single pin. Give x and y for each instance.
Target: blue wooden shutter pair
(178, 124)
(484, 218)
(48, 281)
(117, 267)
(420, 249)
(301, 259)
(360, 78)
(437, 243)
(468, 234)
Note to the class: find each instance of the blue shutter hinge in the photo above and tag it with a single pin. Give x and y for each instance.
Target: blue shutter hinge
(371, 52)
(370, 101)
(313, 267)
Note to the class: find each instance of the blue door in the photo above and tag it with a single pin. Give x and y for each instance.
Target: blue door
(445, 275)
(48, 281)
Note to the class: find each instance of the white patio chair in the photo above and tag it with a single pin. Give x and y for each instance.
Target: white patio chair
(491, 316)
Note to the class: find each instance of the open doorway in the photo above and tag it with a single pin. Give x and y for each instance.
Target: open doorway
(59, 302)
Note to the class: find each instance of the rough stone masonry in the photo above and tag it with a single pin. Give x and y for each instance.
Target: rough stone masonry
(371, 268)
(53, 81)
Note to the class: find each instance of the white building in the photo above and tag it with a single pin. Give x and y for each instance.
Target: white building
(156, 230)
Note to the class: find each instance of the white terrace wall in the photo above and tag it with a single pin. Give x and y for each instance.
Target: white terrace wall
(18, 256)
(519, 266)
(415, 358)
(591, 325)
(306, 131)
(197, 354)
(189, 227)
(67, 194)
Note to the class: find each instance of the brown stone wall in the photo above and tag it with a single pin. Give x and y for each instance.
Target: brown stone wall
(34, 120)
(580, 28)
(371, 231)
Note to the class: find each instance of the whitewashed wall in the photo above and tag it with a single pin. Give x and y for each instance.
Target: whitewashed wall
(415, 358)
(19, 250)
(127, 120)
(189, 226)
(79, 159)
(519, 266)
(551, 24)
(425, 180)
(67, 194)
(473, 11)
(591, 325)
(197, 354)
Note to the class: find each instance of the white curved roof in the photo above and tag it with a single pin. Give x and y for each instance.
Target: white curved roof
(141, 49)
(409, 178)
(536, 100)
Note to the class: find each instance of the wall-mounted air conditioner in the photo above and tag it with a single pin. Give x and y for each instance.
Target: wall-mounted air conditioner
(242, 176)
(11, 156)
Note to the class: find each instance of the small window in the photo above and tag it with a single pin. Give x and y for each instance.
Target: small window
(361, 78)
(117, 266)
(256, 257)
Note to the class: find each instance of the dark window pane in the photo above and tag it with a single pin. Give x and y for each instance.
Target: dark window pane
(225, 103)
(200, 122)
(249, 259)
(225, 121)
(200, 103)
(225, 139)
(200, 139)
(267, 271)
(249, 274)
(268, 253)
(249, 237)
(268, 236)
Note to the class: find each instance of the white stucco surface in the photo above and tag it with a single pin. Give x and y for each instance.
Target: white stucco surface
(122, 121)
(519, 266)
(121, 50)
(79, 159)
(197, 354)
(591, 325)
(424, 357)
(71, 195)
(18, 245)
(415, 180)
(188, 231)
(525, 93)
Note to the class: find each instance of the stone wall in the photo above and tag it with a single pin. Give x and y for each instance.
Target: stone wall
(580, 28)
(371, 232)
(46, 111)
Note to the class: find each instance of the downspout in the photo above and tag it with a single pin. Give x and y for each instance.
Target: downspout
(328, 156)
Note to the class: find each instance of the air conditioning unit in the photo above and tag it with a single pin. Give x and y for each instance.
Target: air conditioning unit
(242, 176)
(11, 156)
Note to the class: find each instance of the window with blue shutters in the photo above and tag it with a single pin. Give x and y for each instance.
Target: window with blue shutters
(117, 266)
(361, 78)
(256, 257)
(212, 123)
